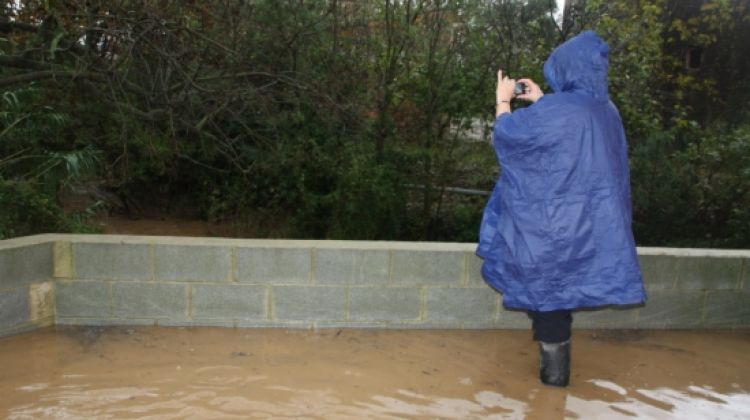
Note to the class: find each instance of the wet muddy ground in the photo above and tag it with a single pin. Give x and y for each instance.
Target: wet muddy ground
(202, 373)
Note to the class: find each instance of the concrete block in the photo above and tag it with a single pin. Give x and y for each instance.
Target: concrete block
(609, 317)
(513, 322)
(106, 322)
(307, 303)
(745, 281)
(727, 309)
(24, 265)
(111, 261)
(479, 325)
(462, 305)
(283, 325)
(326, 325)
(474, 270)
(20, 329)
(708, 273)
(196, 323)
(385, 304)
(512, 319)
(347, 266)
(274, 265)
(229, 301)
(420, 325)
(149, 300)
(62, 252)
(192, 263)
(42, 303)
(428, 267)
(672, 309)
(14, 308)
(83, 299)
(659, 271)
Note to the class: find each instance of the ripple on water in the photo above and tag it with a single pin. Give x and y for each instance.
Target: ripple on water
(694, 402)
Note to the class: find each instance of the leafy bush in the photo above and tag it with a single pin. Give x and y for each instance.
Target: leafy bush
(25, 211)
(310, 121)
(692, 188)
(368, 202)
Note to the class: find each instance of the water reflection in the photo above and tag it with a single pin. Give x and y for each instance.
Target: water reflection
(218, 374)
(695, 402)
(83, 401)
(412, 404)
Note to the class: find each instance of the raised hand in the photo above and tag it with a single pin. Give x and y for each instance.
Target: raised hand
(532, 93)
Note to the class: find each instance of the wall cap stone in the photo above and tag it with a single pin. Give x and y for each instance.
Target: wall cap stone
(325, 244)
(695, 252)
(228, 242)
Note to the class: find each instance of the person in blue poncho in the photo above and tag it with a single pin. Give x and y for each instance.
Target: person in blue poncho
(556, 232)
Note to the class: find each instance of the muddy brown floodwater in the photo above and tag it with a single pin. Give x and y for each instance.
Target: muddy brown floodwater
(215, 373)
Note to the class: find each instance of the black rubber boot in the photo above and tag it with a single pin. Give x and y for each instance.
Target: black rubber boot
(554, 363)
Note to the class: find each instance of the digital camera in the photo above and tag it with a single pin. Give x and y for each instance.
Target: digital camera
(520, 88)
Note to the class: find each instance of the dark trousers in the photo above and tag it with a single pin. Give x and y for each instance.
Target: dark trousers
(552, 326)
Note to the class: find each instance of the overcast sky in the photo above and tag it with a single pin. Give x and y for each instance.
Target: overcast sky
(560, 5)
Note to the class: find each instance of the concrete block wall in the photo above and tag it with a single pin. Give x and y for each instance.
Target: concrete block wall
(26, 288)
(130, 280)
(272, 283)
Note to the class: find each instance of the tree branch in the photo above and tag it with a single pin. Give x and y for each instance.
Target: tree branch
(10, 26)
(152, 115)
(49, 74)
(21, 62)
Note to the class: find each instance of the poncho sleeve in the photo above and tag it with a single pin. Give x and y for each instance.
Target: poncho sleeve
(537, 127)
(540, 148)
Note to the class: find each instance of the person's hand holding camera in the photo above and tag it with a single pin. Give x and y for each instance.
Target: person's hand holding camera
(509, 89)
(529, 91)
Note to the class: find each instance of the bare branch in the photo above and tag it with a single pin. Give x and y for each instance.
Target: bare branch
(49, 74)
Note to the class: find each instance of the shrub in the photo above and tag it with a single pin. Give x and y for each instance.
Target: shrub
(25, 211)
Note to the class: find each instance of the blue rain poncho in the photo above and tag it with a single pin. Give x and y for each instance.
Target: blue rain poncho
(556, 232)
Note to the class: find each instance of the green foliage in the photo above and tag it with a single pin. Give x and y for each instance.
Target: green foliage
(36, 162)
(693, 196)
(368, 202)
(26, 212)
(346, 119)
(662, 181)
(721, 164)
(636, 42)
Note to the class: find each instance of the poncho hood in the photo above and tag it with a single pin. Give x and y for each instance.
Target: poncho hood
(579, 65)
